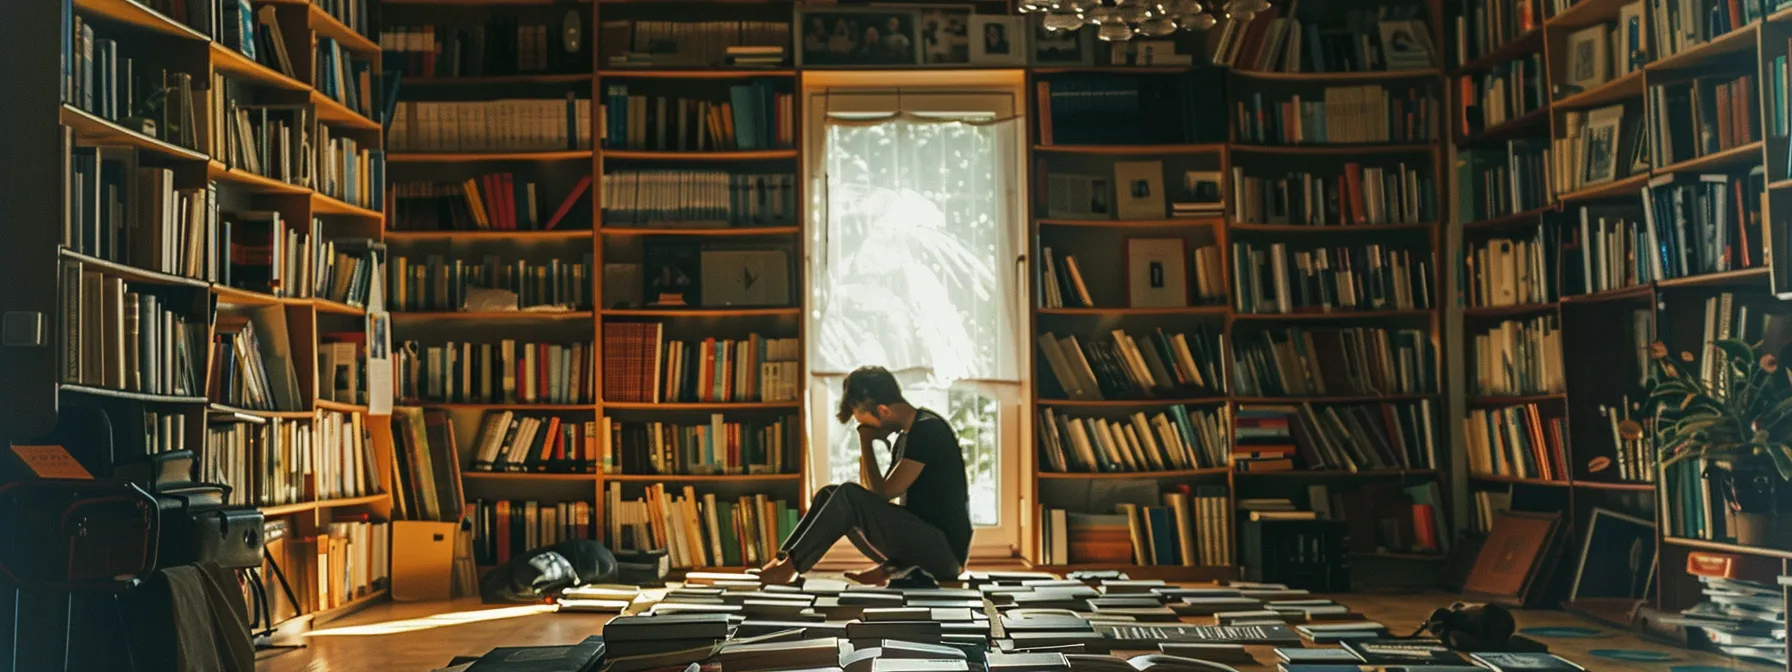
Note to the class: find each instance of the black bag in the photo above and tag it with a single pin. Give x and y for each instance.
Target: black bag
(1472, 627)
(196, 525)
(548, 570)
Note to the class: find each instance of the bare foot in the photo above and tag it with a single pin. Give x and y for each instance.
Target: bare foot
(778, 572)
(875, 576)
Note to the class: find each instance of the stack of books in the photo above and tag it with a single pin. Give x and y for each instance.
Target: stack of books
(1116, 367)
(435, 283)
(1518, 358)
(754, 368)
(717, 447)
(1740, 618)
(1274, 279)
(506, 372)
(1514, 272)
(635, 643)
(1298, 362)
(698, 531)
(698, 198)
(1190, 529)
(1341, 115)
(693, 44)
(1360, 195)
(505, 528)
(1177, 438)
(1516, 442)
(755, 56)
(492, 201)
(754, 116)
(512, 442)
(511, 125)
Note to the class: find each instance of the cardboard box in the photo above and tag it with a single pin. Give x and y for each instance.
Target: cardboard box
(422, 560)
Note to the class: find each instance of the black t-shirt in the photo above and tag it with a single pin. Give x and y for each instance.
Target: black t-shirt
(940, 494)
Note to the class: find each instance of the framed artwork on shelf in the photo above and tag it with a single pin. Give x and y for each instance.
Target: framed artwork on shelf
(945, 34)
(1140, 189)
(1156, 273)
(859, 37)
(745, 278)
(1620, 550)
(1406, 45)
(1062, 47)
(1601, 161)
(1588, 57)
(1078, 197)
(998, 40)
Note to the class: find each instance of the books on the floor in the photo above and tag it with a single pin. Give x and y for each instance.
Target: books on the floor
(506, 528)
(1738, 618)
(1350, 437)
(500, 201)
(1109, 109)
(717, 447)
(580, 657)
(1516, 442)
(1403, 652)
(1703, 116)
(1275, 278)
(426, 465)
(1500, 661)
(500, 45)
(131, 337)
(1357, 195)
(509, 125)
(1517, 358)
(698, 530)
(692, 44)
(697, 198)
(1508, 91)
(513, 442)
(252, 363)
(751, 116)
(1338, 115)
(1296, 362)
(1514, 271)
(1177, 437)
(1191, 528)
(506, 372)
(1117, 367)
(118, 210)
(110, 80)
(1497, 182)
(278, 461)
(438, 283)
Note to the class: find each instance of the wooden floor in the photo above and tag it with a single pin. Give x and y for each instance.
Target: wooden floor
(414, 637)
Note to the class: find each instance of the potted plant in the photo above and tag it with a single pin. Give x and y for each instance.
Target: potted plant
(1738, 419)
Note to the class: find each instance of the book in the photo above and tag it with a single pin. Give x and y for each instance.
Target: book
(511, 442)
(1124, 366)
(503, 529)
(1173, 439)
(697, 531)
(282, 461)
(1284, 40)
(503, 201)
(1355, 196)
(751, 116)
(1337, 115)
(1484, 26)
(760, 446)
(511, 125)
(1515, 271)
(1503, 181)
(252, 363)
(1505, 92)
(1403, 652)
(1706, 115)
(1126, 109)
(1295, 362)
(439, 283)
(754, 368)
(1499, 661)
(578, 657)
(505, 372)
(1515, 358)
(1516, 442)
(130, 337)
(698, 198)
(125, 82)
(497, 46)
(121, 211)
(1321, 280)
(642, 43)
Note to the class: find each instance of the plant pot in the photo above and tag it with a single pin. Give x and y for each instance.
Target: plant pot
(1754, 529)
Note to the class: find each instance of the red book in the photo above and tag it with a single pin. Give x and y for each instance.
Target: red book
(572, 198)
(507, 196)
(1045, 113)
(1353, 185)
(1424, 528)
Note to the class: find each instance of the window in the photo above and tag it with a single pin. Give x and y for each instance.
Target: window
(914, 236)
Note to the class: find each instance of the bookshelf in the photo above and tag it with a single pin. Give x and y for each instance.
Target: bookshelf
(1626, 310)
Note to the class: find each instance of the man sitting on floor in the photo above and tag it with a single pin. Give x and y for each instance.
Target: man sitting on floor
(930, 531)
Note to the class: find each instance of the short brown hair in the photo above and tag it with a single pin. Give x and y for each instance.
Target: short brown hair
(865, 389)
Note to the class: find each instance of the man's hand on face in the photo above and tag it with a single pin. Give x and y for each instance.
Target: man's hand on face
(870, 432)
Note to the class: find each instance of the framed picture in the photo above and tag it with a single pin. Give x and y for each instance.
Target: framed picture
(1601, 160)
(1156, 273)
(945, 34)
(1139, 189)
(1588, 57)
(745, 278)
(1078, 197)
(1062, 47)
(1202, 194)
(998, 40)
(1620, 551)
(1406, 45)
(1518, 549)
(859, 37)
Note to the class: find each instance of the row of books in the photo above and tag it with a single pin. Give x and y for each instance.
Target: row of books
(502, 45)
(1509, 91)
(698, 531)
(1697, 507)
(1273, 279)
(1116, 367)
(426, 465)
(343, 561)
(1360, 40)
(1514, 271)
(1598, 146)
(716, 447)
(101, 80)
(754, 368)
(506, 372)
(1062, 283)
(1356, 361)
(1483, 26)
(270, 257)
(1192, 529)
(118, 210)
(348, 171)
(512, 442)
(1518, 358)
(1351, 437)
(251, 365)
(1516, 442)
(128, 337)
(435, 283)
(503, 528)
(273, 141)
(1495, 183)
(1342, 115)
(1360, 195)
(1703, 116)
(352, 13)
(338, 74)
(753, 116)
(1633, 457)
(1176, 438)
(1683, 25)
(693, 44)
(1614, 253)
(1130, 109)
(487, 202)
(698, 198)
(278, 461)
(1701, 223)
(506, 125)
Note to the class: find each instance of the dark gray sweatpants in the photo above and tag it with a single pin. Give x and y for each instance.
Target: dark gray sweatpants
(888, 534)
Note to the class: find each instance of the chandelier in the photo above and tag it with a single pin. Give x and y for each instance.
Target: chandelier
(1120, 20)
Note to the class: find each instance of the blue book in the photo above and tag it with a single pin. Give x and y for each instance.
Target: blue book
(1315, 49)
(1512, 662)
(746, 132)
(1163, 535)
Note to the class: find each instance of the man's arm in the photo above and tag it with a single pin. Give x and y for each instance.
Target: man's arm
(868, 474)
